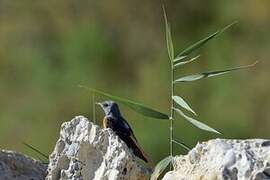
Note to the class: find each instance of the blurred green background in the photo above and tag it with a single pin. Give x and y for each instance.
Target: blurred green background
(48, 48)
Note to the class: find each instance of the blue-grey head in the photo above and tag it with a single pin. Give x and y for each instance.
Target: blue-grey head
(110, 108)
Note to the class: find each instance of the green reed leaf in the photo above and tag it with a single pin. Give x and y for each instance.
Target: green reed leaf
(202, 42)
(181, 102)
(195, 77)
(185, 62)
(196, 123)
(177, 59)
(36, 150)
(169, 41)
(140, 108)
(182, 144)
(160, 167)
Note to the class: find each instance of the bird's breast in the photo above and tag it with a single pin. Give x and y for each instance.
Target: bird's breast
(105, 122)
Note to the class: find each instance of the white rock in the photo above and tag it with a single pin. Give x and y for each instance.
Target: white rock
(222, 159)
(85, 152)
(16, 166)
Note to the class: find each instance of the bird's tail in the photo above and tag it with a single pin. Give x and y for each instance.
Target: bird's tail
(138, 151)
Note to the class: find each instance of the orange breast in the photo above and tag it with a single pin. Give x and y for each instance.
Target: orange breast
(105, 122)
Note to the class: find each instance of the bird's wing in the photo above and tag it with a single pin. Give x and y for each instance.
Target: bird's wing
(134, 139)
(117, 125)
(124, 131)
(127, 126)
(145, 156)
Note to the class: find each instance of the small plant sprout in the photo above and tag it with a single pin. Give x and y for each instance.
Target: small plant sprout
(44, 157)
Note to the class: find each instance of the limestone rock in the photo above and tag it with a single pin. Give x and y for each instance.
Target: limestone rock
(222, 159)
(85, 152)
(16, 166)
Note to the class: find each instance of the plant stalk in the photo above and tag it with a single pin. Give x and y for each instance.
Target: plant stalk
(172, 112)
(94, 107)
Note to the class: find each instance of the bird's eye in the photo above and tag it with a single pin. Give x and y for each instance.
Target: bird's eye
(105, 105)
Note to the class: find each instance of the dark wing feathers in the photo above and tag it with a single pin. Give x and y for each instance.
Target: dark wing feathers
(127, 126)
(133, 145)
(124, 131)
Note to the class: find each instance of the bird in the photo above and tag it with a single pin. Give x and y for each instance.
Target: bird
(114, 120)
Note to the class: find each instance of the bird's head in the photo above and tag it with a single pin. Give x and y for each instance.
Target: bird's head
(110, 108)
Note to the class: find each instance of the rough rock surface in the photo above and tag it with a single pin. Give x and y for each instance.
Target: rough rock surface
(16, 166)
(224, 159)
(85, 152)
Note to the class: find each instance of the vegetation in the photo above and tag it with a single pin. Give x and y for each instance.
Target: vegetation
(176, 62)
